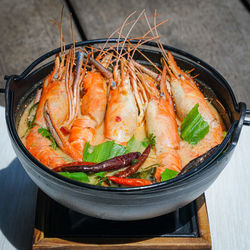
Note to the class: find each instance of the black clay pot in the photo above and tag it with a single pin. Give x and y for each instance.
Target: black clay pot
(132, 203)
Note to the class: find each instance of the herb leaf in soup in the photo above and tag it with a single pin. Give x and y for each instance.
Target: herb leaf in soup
(45, 133)
(194, 128)
(31, 118)
(32, 115)
(133, 145)
(148, 174)
(101, 174)
(168, 174)
(103, 151)
(78, 176)
(150, 139)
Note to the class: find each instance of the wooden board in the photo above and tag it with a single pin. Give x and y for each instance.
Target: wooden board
(40, 241)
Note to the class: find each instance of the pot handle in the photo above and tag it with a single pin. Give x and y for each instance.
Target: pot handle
(7, 78)
(243, 111)
(247, 122)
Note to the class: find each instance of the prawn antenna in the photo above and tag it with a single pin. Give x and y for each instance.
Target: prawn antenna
(129, 32)
(73, 37)
(61, 33)
(124, 23)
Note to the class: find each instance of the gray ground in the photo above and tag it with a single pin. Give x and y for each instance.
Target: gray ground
(218, 32)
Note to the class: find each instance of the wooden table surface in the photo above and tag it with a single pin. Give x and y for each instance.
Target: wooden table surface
(218, 32)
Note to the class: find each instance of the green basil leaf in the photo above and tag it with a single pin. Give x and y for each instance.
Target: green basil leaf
(168, 174)
(134, 146)
(117, 150)
(46, 133)
(134, 161)
(85, 151)
(130, 144)
(101, 178)
(101, 174)
(32, 115)
(148, 174)
(78, 176)
(53, 144)
(224, 134)
(103, 151)
(150, 139)
(194, 128)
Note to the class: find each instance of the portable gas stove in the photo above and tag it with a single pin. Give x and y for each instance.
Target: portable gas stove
(58, 227)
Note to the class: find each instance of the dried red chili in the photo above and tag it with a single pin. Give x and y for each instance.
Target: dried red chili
(134, 168)
(108, 165)
(72, 164)
(130, 182)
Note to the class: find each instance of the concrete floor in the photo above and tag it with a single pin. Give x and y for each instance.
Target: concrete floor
(218, 32)
(27, 33)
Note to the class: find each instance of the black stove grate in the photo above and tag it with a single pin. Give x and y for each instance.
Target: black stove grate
(65, 223)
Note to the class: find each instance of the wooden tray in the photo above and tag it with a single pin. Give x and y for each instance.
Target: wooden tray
(45, 238)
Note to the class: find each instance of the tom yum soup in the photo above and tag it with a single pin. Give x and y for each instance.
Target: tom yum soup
(108, 120)
(103, 118)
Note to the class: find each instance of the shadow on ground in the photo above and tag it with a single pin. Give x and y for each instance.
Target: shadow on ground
(2, 98)
(17, 206)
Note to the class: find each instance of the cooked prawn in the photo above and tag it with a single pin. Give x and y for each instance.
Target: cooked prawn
(36, 144)
(122, 113)
(186, 95)
(82, 100)
(93, 107)
(161, 121)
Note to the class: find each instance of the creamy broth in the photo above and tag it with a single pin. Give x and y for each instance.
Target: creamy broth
(187, 152)
(140, 134)
(23, 126)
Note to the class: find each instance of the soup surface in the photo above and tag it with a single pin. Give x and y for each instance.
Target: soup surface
(83, 107)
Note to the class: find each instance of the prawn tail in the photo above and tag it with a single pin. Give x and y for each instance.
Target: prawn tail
(169, 159)
(83, 130)
(40, 148)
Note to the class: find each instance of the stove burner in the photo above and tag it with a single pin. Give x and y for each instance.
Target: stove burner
(58, 227)
(63, 222)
